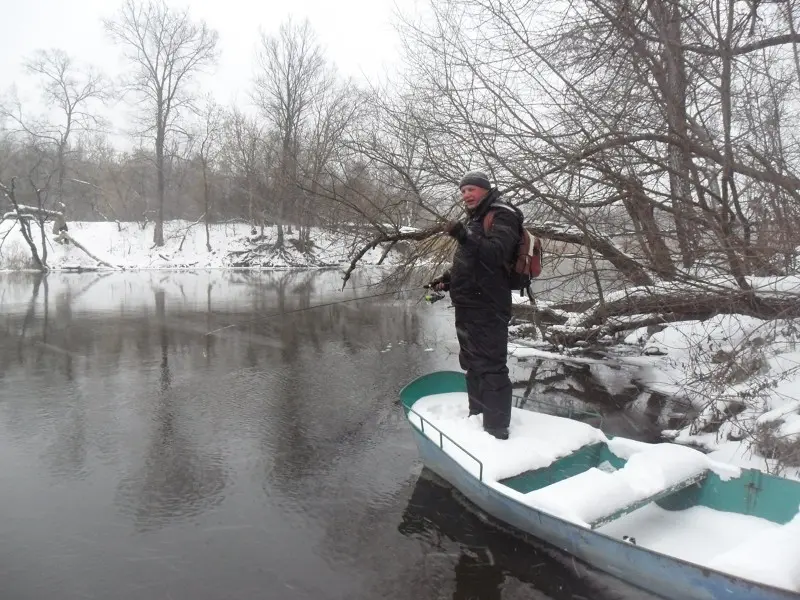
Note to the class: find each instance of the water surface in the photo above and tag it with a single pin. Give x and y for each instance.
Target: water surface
(141, 458)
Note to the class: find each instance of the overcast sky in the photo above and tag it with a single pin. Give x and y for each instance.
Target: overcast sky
(358, 35)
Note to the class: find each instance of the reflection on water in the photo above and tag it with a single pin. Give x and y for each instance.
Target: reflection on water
(142, 458)
(489, 563)
(177, 477)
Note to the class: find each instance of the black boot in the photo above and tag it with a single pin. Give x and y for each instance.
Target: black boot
(501, 433)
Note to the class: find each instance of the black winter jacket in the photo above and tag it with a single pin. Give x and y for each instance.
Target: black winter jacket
(479, 277)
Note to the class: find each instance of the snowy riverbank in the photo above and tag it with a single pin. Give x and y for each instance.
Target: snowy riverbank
(731, 382)
(130, 246)
(731, 366)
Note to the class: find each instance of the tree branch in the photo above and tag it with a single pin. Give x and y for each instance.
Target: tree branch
(393, 239)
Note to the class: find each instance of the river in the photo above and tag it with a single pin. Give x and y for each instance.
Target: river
(142, 458)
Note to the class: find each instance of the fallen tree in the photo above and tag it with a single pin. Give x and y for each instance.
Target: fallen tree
(624, 263)
(643, 307)
(23, 214)
(628, 266)
(74, 242)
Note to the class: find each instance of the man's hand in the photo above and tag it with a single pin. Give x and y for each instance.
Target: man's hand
(440, 284)
(455, 229)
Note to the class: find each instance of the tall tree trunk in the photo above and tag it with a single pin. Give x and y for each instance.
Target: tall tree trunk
(285, 179)
(23, 224)
(62, 167)
(278, 228)
(207, 200)
(668, 18)
(642, 214)
(728, 189)
(250, 202)
(158, 234)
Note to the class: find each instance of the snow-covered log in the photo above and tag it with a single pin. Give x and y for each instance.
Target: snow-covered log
(640, 307)
(68, 237)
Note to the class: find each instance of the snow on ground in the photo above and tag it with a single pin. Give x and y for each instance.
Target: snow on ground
(770, 286)
(725, 364)
(130, 246)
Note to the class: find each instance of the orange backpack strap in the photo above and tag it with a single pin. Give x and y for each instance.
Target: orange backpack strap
(488, 219)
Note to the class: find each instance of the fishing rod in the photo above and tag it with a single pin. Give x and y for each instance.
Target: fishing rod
(428, 297)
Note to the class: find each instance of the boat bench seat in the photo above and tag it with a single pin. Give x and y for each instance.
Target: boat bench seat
(596, 497)
(635, 504)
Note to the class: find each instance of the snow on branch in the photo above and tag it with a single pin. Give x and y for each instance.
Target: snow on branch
(13, 215)
(24, 209)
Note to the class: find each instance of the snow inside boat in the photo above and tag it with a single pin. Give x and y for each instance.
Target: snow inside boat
(663, 517)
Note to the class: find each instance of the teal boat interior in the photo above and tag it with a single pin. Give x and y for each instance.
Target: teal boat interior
(754, 493)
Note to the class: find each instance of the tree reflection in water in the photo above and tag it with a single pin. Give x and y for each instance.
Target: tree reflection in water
(178, 478)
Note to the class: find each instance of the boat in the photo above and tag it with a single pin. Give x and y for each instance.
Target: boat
(663, 517)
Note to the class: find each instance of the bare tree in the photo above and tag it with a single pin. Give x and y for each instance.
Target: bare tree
(291, 71)
(208, 148)
(242, 153)
(167, 49)
(618, 106)
(334, 111)
(72, 89)
(23, 214)
(68, 92)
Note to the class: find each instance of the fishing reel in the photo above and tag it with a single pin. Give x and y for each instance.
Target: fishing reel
(432, 297)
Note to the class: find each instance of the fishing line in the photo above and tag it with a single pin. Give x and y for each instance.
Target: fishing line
(297, 310)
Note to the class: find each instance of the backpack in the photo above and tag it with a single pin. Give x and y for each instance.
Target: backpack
(528, 263)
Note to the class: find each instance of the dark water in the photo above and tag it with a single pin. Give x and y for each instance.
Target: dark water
(143, 459)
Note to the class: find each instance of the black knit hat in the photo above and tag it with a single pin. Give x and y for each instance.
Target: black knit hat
(476, 178)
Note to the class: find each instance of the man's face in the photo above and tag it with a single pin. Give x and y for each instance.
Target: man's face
(472, 195)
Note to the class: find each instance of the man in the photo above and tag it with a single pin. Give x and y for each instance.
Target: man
(479, 286)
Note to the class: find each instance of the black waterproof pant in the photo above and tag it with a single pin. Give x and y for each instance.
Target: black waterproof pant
(483, 341)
